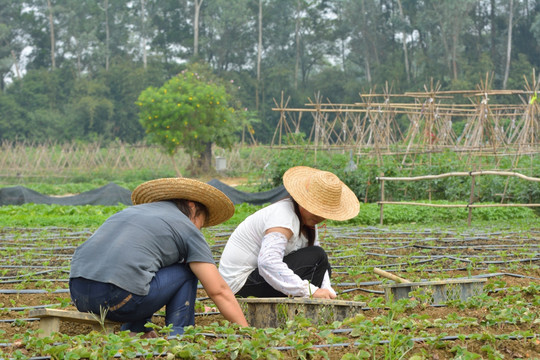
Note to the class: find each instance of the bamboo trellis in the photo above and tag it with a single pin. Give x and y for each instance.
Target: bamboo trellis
(24, 159)
(529, 133)
(371, 126)
(470, 205)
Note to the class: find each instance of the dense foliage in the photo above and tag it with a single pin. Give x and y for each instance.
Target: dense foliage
(361, 176)
(74, 70)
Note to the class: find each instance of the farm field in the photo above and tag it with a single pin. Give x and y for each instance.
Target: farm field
(501, 322)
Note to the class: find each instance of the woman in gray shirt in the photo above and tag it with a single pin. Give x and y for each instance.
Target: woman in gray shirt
(152, 255)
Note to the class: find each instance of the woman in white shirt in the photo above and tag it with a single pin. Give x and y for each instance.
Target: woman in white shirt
(275, 252)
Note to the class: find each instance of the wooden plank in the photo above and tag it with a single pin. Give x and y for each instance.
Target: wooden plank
(49, 325)
(274, 312)
(50, 320)
(302, 300)
(74, 316)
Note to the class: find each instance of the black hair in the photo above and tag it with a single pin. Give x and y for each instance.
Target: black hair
(183, 206)
(309, 232)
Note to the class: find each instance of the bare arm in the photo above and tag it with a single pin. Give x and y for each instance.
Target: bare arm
(287, 232)
(218, 290)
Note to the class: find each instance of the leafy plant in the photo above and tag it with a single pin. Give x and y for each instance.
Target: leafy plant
(193, 110)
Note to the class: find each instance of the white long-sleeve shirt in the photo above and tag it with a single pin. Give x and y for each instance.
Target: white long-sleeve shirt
(278, 274)
(249, 248)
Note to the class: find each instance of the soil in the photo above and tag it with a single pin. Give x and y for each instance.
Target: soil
(378, 251)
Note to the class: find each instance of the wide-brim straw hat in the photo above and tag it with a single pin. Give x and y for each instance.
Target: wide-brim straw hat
(321, 193)
(220, 207)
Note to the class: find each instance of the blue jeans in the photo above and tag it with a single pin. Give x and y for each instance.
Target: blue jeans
(173, 286)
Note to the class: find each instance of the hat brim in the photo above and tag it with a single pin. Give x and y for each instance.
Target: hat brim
(296, 180)
(220, 207)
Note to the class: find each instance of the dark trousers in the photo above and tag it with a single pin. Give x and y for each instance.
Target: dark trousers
(174, 287)
(309, 263)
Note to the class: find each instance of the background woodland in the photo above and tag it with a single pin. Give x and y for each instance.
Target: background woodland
(74, 69)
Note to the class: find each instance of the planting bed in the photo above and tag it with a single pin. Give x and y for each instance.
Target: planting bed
(501, 323)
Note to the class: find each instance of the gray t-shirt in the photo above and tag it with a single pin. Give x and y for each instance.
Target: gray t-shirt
(132, 245)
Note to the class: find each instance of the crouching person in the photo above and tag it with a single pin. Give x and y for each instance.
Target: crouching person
(152, 255)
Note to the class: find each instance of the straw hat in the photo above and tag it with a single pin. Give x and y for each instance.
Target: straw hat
(321, 193)
(220, 207)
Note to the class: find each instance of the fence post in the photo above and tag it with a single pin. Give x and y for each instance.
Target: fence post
(471, 200)
(381, 216)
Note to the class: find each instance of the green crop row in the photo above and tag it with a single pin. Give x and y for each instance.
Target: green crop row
(40, 215)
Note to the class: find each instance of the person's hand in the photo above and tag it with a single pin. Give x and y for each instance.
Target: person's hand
(324, 294)
(147, 335)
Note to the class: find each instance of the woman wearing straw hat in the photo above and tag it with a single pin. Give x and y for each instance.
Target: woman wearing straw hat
(274, 252)
(152, 255)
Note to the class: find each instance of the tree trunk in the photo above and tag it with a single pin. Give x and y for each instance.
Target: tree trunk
(370, 35)
(297, 38)
(446, 47)
(204, 162)
(105, 9)
(447, 50)
(51, 26)
(259, 58)
(455, 44)
(198, 4)
(364, 36)
(107, 36)
(176, 168)
(368, 68)
(143, 20)
(405, 52)
(509, 44)
(492, 31)
(79, 63)
(16, 64)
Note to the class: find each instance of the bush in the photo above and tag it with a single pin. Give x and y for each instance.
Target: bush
(363, 179)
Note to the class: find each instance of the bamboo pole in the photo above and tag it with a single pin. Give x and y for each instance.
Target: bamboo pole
(461, 173)
(469, 206)
(390, 276)
(381, 204)
(455, 205)
(471, 200)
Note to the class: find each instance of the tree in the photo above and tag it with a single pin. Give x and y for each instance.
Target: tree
(315, 37)
(404, 40)
(362, 17)
(91, 110)
(198, 4)
(51, 25)
(259, 54)
(79, 36)
(105, 9)
(173, 31)
(509, 44)
(229, 29)
(12, 125)
(452, 17)
(32, 106)
(125, 81)
(193, 111)
(10, 44)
